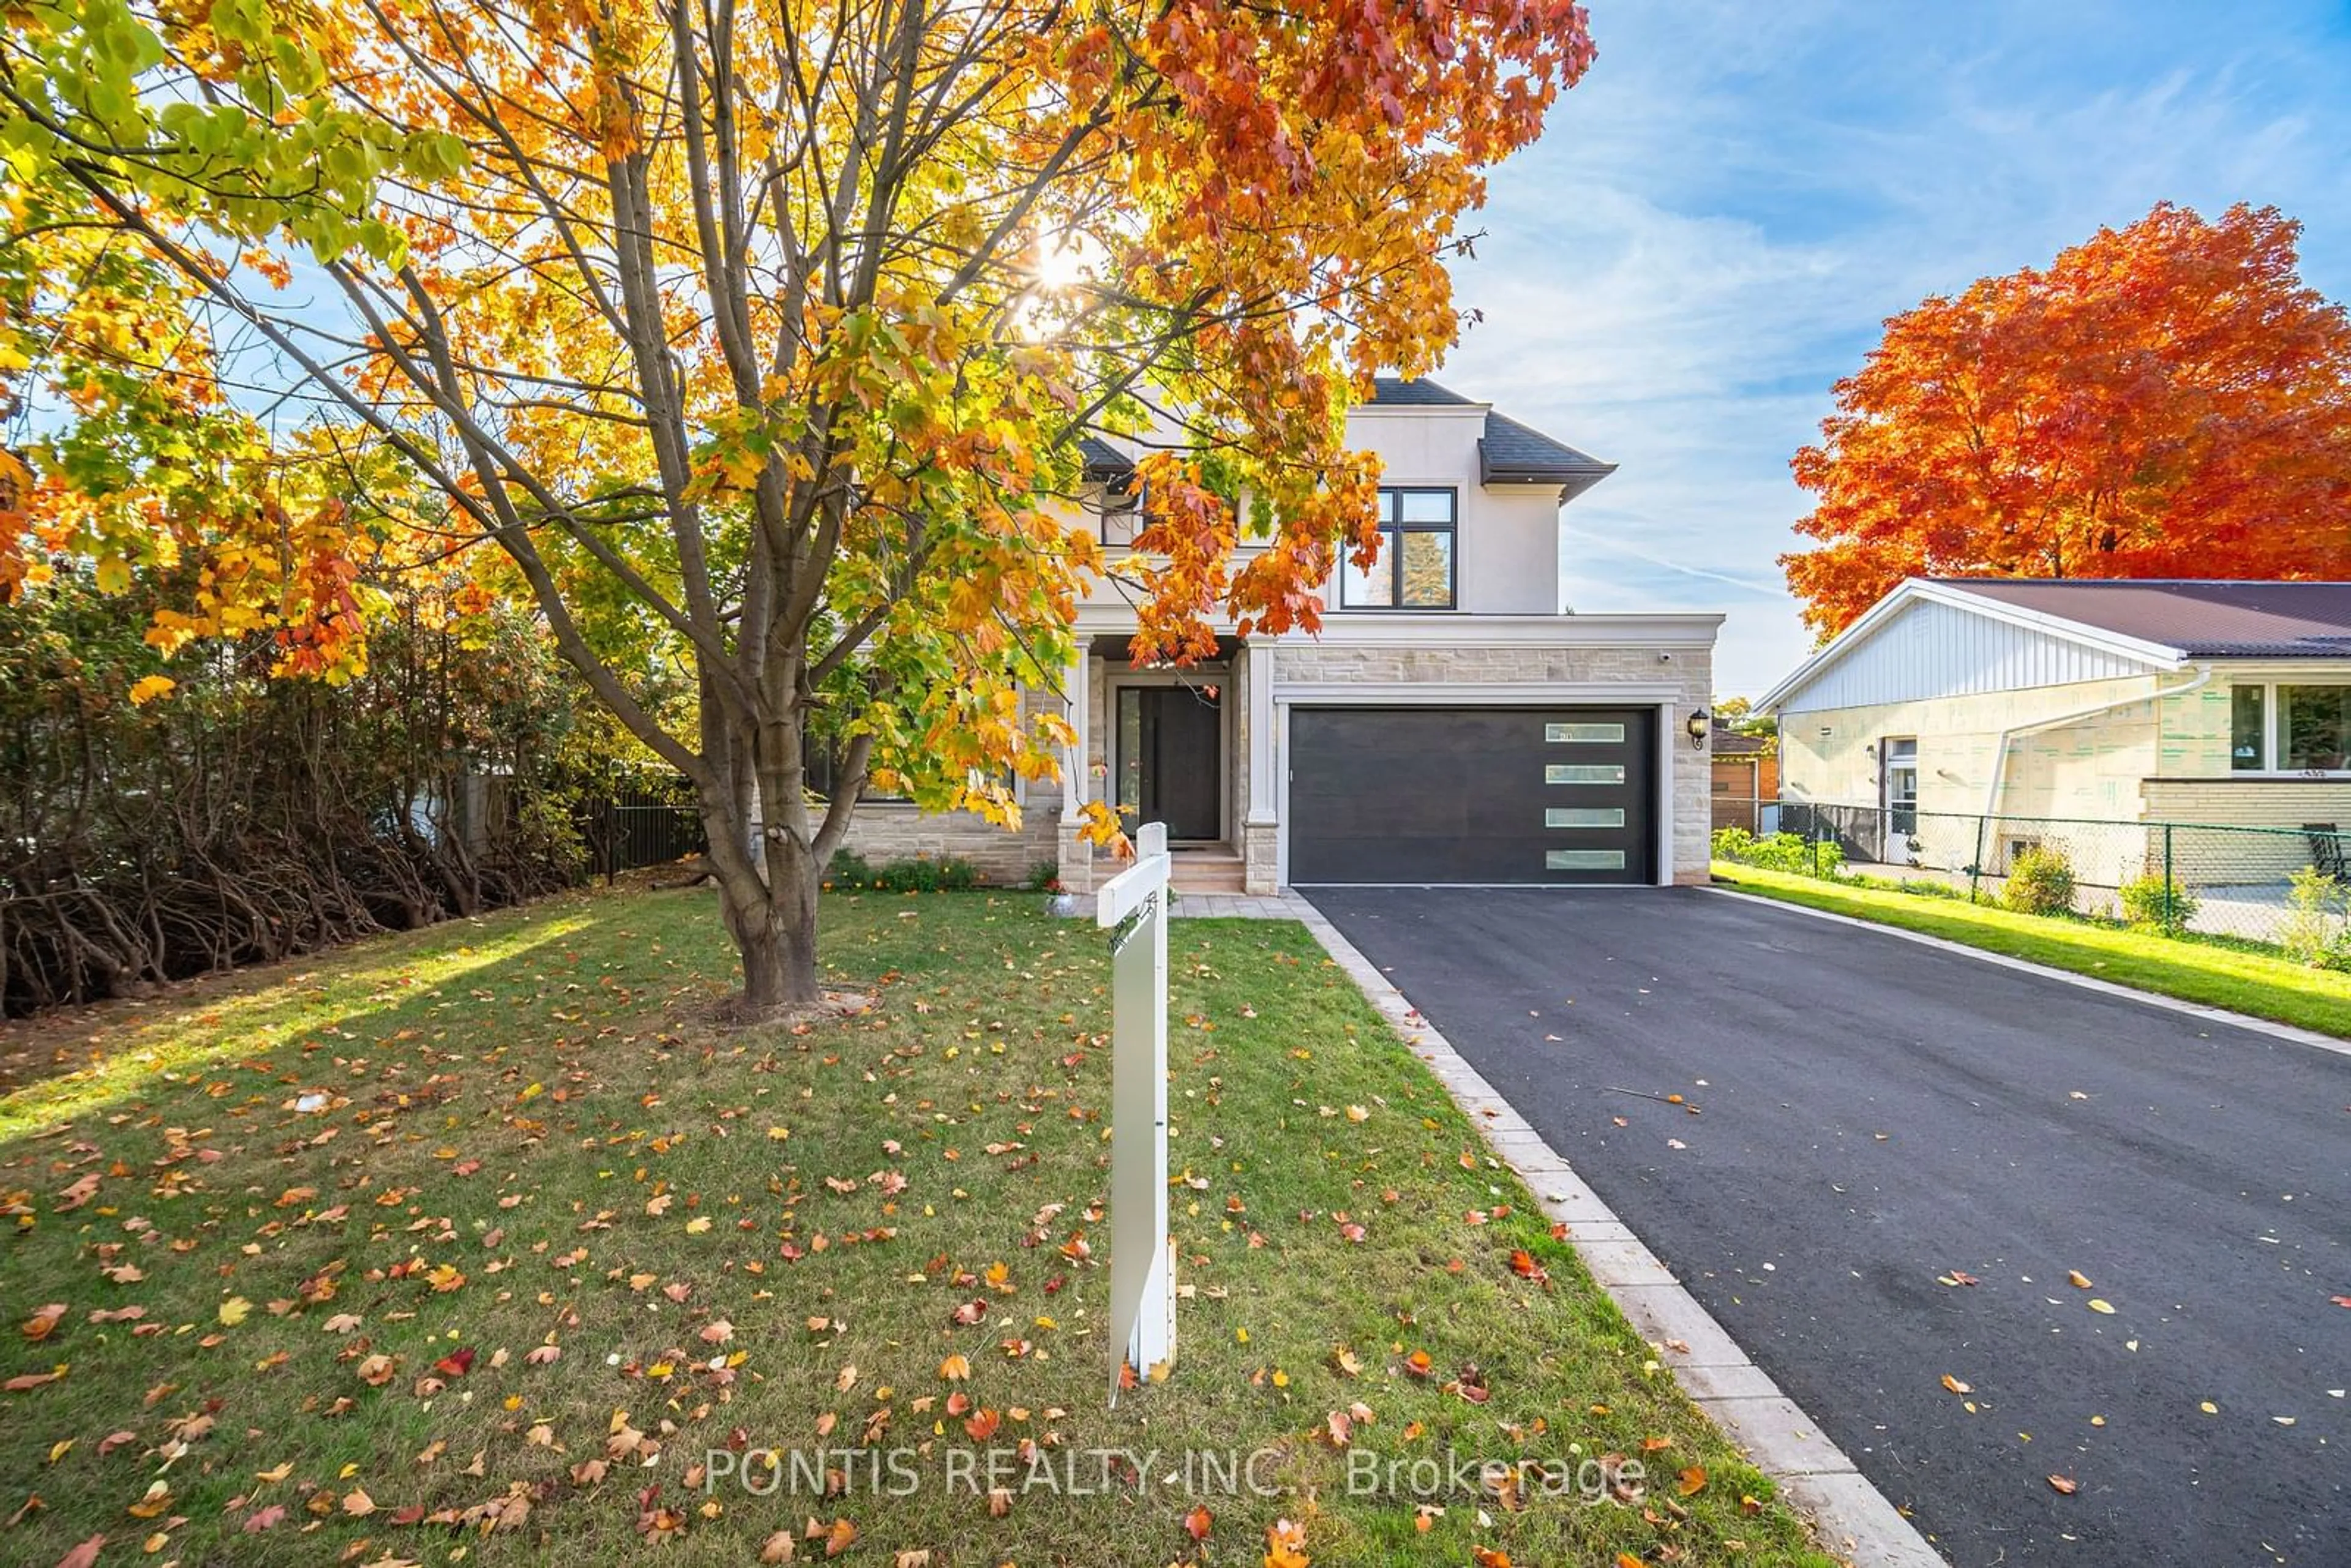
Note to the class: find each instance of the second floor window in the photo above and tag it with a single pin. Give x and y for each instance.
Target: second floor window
(1415, 566)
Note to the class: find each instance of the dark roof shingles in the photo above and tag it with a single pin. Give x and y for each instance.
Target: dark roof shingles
(1421, 393)
(1104, 461)
(1508, 453)
(1514, 451)
(2201, 620)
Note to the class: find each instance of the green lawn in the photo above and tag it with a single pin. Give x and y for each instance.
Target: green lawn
(479, 1244)
(2225, 976)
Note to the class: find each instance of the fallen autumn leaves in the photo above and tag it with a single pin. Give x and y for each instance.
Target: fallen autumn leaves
(439, 1245)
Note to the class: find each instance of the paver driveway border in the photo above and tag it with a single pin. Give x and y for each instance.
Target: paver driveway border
(1854, 1517)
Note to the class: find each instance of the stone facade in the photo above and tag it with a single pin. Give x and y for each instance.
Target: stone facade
(894, 830)
(884, 830)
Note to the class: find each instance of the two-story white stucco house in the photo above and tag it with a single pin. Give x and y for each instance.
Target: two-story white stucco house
(1451, 723)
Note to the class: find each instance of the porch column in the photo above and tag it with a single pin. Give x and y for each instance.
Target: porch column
(1076, 857)
(1258, 687)
(1260, 831)
(1073, 766)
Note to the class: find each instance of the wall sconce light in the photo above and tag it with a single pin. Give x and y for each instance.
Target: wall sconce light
(1697, 725)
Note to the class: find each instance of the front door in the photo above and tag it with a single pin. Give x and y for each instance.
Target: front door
(1169, 741)
(1897, 793)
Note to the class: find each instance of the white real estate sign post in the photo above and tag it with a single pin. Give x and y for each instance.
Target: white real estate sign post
(1134, 906)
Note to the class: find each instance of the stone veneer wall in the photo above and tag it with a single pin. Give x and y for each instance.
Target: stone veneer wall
(1333, 662)
(889, 831)
(885, 832)
(892, 830)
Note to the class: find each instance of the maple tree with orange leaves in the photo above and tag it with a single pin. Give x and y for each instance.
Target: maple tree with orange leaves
(751, 340)
(2165, 399)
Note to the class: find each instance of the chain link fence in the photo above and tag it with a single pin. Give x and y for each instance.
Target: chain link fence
(2289, 887)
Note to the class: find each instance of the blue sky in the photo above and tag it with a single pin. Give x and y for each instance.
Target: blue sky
(1716, 220)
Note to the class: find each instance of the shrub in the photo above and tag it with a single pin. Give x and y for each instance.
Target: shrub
(849, 869)
(2040, 882)
(1780, 851)
(2318, 920)
(1044, 876)
(920, 875)
(2155, 900)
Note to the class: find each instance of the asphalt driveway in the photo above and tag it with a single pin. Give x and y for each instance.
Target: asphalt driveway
(1877, 1116)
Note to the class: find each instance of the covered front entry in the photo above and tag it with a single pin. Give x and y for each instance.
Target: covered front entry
(1169, 757)
(1472, 795)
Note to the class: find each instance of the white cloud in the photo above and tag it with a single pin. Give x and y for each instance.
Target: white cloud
(1718, 220)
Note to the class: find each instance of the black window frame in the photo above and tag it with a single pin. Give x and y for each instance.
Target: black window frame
(1393, 528)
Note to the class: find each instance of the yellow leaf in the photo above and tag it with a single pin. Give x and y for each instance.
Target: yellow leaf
(697, 1225)
(232, 1310)
(147, 688)
(2098, 1306)
(2075, 1277)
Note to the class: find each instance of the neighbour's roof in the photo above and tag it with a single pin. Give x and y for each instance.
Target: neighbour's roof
(1729, 742)
(2126, 625)
(2201, 619)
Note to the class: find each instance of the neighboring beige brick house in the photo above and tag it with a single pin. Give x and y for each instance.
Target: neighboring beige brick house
(2215, 702)
(1451, 723)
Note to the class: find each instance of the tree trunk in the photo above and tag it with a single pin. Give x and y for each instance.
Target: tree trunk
(770, 905)
(779, 948)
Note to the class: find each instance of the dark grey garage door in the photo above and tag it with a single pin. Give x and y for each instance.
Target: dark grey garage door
(1472, 795)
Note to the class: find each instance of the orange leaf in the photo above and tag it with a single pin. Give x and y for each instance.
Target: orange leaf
(1285, 1545)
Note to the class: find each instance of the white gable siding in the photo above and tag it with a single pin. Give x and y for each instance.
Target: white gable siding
(1931, 650)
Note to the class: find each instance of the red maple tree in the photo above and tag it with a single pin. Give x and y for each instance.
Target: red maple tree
(2164, 399)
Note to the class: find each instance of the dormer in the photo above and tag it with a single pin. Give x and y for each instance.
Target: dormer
(1469, 502)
